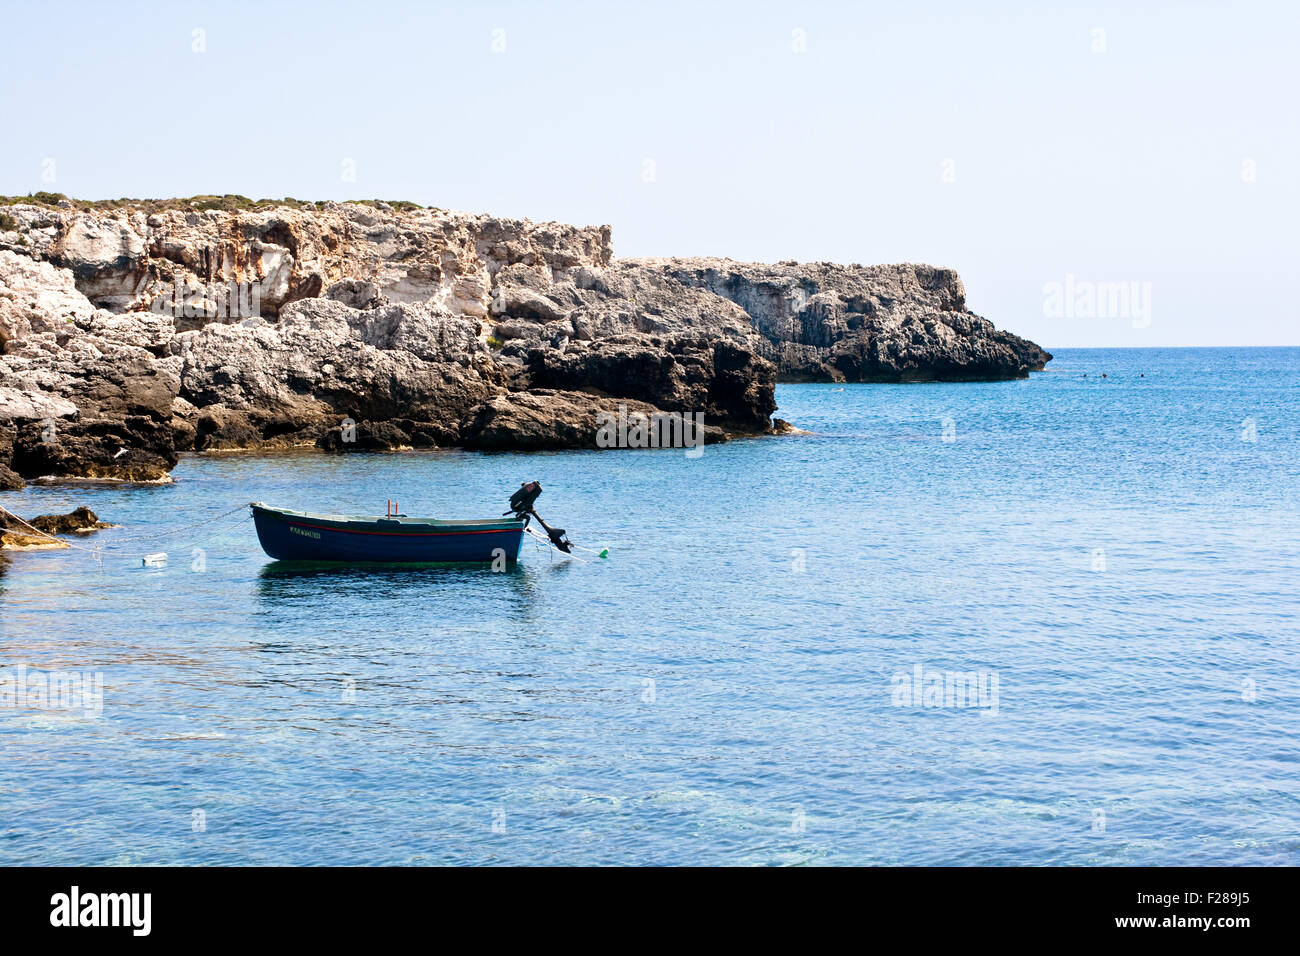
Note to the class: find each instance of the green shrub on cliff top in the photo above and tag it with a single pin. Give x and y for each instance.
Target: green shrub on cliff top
(402, 205)
(227, 203)
(33, 199)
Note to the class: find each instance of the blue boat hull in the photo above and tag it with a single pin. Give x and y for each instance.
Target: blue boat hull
(299, 536)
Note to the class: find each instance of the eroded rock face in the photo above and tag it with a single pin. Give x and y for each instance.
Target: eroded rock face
(83, 392)
(130, 334)
(687, 373)
(37, 298)
(549, 418)
(128, 260)
(132, 448)
(828, 322)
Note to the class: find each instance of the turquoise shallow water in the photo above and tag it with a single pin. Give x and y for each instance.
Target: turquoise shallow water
(1117, 553)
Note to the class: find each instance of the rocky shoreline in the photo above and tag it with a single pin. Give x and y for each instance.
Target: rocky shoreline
(38, 534)
(132, 331)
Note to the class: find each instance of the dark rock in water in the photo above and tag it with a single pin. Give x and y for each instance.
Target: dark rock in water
(218, 428)
(781, 427)
(17, 535)
(729, 384)
(81, 520)
(430, 434)
(549, 418)
(540, 419)
(364, 436)
(10, 523)
(118, 349)
(10, 480)
(134, 448)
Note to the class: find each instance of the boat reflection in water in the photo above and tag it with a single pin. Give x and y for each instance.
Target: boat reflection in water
(401, 597)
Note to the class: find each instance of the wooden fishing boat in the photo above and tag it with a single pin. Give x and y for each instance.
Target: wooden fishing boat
(302, 536)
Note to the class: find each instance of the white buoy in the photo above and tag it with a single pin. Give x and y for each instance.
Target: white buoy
(156, 560)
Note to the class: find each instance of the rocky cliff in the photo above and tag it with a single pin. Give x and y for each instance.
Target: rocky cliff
(131, 331)
(828, 322)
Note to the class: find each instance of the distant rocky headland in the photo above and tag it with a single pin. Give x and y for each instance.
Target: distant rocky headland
(132, 330)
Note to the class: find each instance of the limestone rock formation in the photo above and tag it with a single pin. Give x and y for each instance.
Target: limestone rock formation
(131, 331)
(893, 323)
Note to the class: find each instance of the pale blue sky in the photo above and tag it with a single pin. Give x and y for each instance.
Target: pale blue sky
(1120, 166)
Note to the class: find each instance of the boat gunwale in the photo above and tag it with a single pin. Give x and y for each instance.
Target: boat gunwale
(384, 522)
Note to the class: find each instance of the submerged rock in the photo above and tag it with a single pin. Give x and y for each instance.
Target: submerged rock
(81, 521)
(365, 436)
(21, 540)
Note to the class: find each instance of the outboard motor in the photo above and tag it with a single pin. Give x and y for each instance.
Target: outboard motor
(556, 535)
(521, 506)
(521, 502)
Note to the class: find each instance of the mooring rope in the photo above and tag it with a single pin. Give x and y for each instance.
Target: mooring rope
(541, 537)
(182, 530)
(99, 549)
(224, 531)
(44, 534)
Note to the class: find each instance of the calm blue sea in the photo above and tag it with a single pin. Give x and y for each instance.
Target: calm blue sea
(1115, 560)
